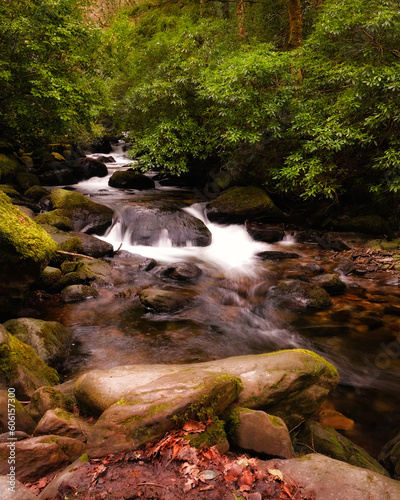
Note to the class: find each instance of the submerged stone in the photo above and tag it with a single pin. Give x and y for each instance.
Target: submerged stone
(299, 296)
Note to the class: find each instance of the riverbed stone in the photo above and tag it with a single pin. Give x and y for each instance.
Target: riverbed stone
(60, 422)
(299, 296)
(181, 271)
(389, 456)
(36, 193)
(26, 180)
(39, 456)
(50, 339)
(49, 279)
(238, 204)
(148, 412)
(86, 215)
(290, 384)
(56, 218)
(19, 491)
(331, 283)
(161, 301)
(324, 478)
(23, 421)
(277, 255)
(78, 293)
(327, 441)
(130, 179)
(86, 168)
(265, 232)
(47, 398)
(255, 431)
(21, 367)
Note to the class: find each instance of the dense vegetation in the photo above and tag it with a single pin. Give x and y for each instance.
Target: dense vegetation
(306, 105)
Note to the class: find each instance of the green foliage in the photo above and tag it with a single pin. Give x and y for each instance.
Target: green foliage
(50, 84)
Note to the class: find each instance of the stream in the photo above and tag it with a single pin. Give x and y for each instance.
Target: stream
(230, 315)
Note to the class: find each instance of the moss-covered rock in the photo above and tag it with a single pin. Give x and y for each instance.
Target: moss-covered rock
(214, 435)
(60, 422)
(165, 300)
(239, 204)
(51, 340)
(49, 280)
(129, 179)
(36, 193)
(85, 214)
(299, 296)
(9, 166)
(23, 421)
(327, 441)
(21, 367)
(330, 283)
(10, 191)
(56, 218)
(47, 398)
(78, 293)
(26, 180)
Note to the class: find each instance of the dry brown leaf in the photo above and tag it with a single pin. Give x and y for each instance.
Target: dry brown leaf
(194, 426)
(247, 478)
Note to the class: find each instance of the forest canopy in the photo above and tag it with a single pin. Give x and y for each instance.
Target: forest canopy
(300, 96)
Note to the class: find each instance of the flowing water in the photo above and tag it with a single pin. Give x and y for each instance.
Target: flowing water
(230, 315)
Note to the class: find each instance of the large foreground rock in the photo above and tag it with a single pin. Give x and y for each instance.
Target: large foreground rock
(238, 204)
(329, 479)
(289, 384)
(19, 491)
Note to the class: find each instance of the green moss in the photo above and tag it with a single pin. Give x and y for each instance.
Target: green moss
(56, 218)
(36, 193)
(70, 201)
(134, 419)
(233, 420)
(277, 422)
(9, 191)
(28, 239)
(65, 415)
(158, 409)
(212, 436)
(9, 165)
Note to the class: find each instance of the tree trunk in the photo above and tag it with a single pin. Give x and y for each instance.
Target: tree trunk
(296, 24)
(241, 17)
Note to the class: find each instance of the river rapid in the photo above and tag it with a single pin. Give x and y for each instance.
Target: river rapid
(230, 315)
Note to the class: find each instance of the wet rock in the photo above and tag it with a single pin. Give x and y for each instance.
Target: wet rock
(256, 431)
(63, 423)
(47, 398)
(56, 173)
(147, 225)
(106, 159)
(146, 413)
(78, 293)
(311, 268)
(331, 283)
(299, 296)
(102, 146)
(147, 265)
(289, 384)
(345, 266)
(329, 479)
(36, 193)
(19, 491)
(97, 271)
(130, 179)
(92, 246)
(238, 204)
(276, 255)
(265, 232)
(23, 421)
(21, 367)
(331, 443)
(165, 300)
(40, 456)
(389, 456)
(56, 218)
(26, 180)
(49, 279)
(51, 340)
(86, 168)
(182, 271)
(86, 215)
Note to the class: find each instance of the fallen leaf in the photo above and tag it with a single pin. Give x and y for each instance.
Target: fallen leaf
(194, 426)
(247, 478)
(276, 472)
(245, 487)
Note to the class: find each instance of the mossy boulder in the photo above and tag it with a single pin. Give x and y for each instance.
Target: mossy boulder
(36, 193)
(165, 300)
(257, 432)
(368, 224)
(40, 456)
(23, 421)
(238, 204)
(26, 180)
(51, 340)
(323, 478)
(78, 293)
(11, 192)
(289, 384)
(60, 422)
(47, 398)
(327, 441)
(25, 250)
(331, 283)
(9, 166)
(49, 279)
(86, 215)
(21, 367)
(148, 412)
(129, 179)
(299, 296)
(214, 435)
(56, 218)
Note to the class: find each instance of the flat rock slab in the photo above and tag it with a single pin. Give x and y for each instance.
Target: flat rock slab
(289, 384)
(329, 479)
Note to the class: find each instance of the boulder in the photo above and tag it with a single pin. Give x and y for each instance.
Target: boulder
(130, 179)
(331, 443)
(255, 431)
(21, 367)
(56, 173)
(265, 232)
(23, 421)
(9, 166)
(106, 159)
(276, 255)
(237, 204)
(40, 456)
(56, 218)
(102, 146)
(389, 456)
(86, 215)
(148, 225)
(63, 423)
(330, 283)
(147, 265)
(165, 300)
(299, 296)
(47, 398)
(98, 271)
(324, 478)
(25, 250)
(148, 412)
(49, 279)
(289, 384)
(12, 490)
(78, 293)
(36, 193)
(181, 271)
(26, 180)
(92, 246)
(51, 340)
(86, 168)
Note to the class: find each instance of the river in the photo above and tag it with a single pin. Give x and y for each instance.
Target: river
(230, 315)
